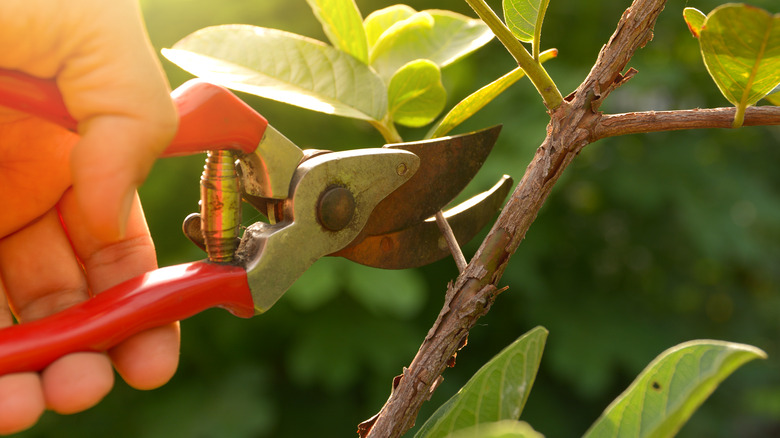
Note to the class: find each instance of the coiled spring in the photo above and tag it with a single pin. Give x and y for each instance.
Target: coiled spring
(220, 206)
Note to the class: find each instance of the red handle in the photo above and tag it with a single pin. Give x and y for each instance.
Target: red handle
(213, 118)
(34, 96)
(210, 116)
(150, 300)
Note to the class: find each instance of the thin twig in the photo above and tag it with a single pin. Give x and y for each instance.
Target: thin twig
(452, 242)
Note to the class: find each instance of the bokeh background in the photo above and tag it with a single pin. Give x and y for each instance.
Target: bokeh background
(647, 241)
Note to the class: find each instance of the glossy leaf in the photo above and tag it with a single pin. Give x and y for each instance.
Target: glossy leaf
(498, 391)
(524, 18)
(343, 25)
(379, 21)
(285, 67)
(694, 18)
(499, 429)
(671, 388)
(741, 49)
(441, 36)
(477, 100)
(415, 94)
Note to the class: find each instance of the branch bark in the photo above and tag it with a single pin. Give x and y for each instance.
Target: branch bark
(656, 121)
(573, 125)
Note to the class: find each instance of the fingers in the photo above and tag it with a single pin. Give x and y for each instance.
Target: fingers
(41, 276)
(39, 270)
(21, 402)
(149, 359)
(21, 396)
(77, 382)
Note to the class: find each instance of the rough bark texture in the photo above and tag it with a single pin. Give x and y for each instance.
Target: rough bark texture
(655, 121)
(572, 126)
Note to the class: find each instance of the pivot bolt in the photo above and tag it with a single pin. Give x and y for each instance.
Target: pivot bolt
(336, 208)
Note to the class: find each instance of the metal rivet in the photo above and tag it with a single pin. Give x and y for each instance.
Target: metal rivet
(386, 244)
(401, 169)
(336, 208)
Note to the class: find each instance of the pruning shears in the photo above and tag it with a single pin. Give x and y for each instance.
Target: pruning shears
(373, 206)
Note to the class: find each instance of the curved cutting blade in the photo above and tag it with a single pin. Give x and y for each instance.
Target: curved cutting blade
(447, 165)
(423, 243)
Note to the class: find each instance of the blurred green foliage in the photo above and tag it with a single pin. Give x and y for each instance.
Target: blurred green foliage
(646, 242)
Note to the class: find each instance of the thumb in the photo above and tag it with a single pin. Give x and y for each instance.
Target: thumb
(114, 86)
(105, 176)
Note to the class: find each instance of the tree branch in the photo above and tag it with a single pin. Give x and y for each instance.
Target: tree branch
(573, 125)
(655, 121)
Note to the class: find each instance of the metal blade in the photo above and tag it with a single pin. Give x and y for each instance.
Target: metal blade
(423, 243)
(447, 165)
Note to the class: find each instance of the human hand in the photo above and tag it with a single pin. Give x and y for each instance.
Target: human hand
(71, 223)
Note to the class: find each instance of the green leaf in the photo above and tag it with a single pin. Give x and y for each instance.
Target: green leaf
(379, 21)
(741, 49)
(285, 67)
(671, 388)
(524, 19)
(499, 429)
(498, 391)
(415, 94)
(441, 36)
(477, 100)
(694, 18)
(343, 25)
(774, 96)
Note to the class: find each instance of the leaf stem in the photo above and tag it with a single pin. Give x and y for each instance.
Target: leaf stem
(386, 127)
(537, 41)
(739, 116)
(536, 44)
(532, 67)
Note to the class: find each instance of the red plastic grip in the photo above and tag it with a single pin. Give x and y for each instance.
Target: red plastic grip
(210, 116)
(213, 118)
(35, 96)
(150, 300)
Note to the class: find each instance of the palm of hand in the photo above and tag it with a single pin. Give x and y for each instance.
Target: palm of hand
(34, 170)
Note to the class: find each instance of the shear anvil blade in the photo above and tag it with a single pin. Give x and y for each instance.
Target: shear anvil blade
(447, 165)
(423, 243)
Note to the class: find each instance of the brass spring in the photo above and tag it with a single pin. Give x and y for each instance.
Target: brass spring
(220, 206)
